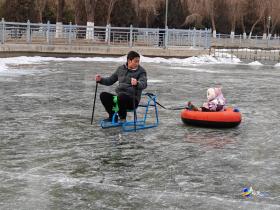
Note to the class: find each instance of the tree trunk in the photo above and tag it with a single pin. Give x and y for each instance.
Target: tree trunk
(243, 28)
(40, 7)
(213, 24)
(271, 31)
(79, 12)
(233, 22)
(60, 9)
(90, 6)
(109, 10)
(59, 19)
(137, 11)
(264, 29)
(253, 27)
(147, 20)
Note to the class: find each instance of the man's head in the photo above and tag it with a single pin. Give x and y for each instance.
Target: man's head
(133, 60)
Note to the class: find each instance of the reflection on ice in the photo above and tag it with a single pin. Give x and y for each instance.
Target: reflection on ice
(154, 81)
(35, 95)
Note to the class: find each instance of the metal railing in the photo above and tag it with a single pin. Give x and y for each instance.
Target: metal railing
(241, 41)
(55, 34)
(254, 48)
(261, 55)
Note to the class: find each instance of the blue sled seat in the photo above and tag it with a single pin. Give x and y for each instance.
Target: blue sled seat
(148, 111)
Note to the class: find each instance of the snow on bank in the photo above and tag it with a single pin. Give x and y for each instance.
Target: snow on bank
(255, 63)
(5, 63)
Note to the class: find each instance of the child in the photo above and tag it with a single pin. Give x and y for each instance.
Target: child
(215, 103)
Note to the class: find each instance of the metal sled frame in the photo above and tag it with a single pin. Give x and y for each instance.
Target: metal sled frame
(139, 124)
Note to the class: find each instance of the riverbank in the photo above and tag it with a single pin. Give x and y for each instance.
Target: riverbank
(7, 50)
(59, 50)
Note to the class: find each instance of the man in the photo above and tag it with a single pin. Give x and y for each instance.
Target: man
(132, 80)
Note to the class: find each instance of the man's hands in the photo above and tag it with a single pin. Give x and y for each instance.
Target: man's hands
(134, 82)
(97, 78)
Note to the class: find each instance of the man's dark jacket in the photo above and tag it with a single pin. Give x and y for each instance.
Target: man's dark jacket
(124, 75)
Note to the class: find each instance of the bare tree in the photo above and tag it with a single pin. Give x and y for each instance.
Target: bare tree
(110, 6)
(19, 11)
(242, 7)
(199, 10)
(210, 9)
(136, 6)
(273, 16)
(59, 18)
(149, 9)
(60, 9)
(40, 6)
(78, 8)
(90, 6)
(195, 10)
(260, 9)
(79, 11)
(236, 11)
(2, 2)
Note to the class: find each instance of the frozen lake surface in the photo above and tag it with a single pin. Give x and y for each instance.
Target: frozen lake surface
(51, 157)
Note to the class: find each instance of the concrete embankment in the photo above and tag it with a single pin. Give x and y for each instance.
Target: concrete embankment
(79, 50)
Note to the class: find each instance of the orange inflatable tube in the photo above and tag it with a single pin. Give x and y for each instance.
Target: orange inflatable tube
(224, 119)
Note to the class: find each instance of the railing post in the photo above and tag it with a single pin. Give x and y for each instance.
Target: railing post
(75, 32)
(200, 35)
(130, 36)
(209, 34)
(205, 38)
(70, 33)
(109, 34)
(48, 32)
(28, 32)
(194, 37)
(3, 31)
(166, 37)
(157, 34)
(90, 31)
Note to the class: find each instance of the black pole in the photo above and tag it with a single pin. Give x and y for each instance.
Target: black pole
(134, 108)
(94, 102)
